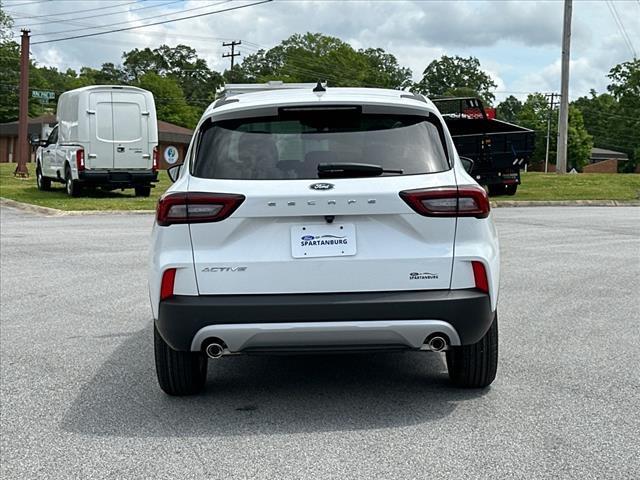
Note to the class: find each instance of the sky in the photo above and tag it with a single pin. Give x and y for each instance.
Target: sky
(517, 42)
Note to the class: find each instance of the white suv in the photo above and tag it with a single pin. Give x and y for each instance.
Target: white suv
(323, 220)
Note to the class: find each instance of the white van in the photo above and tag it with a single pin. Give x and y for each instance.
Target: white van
(106, 137)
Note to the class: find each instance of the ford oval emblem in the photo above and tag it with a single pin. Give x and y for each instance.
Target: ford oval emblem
(321, 186)
(308, 238)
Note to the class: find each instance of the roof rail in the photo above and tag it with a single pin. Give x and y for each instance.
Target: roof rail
(239, 88)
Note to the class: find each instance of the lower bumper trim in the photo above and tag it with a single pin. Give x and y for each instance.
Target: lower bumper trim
(467, 311)
(303, 335)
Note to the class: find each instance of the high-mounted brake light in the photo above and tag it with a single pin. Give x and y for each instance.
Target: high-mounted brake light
(480, 276)
(80, 160)
(196, 207)
(154, 165)
(168, 281)
(465, 201)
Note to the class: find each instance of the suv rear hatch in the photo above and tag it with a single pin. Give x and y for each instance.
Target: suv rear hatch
(311, 220)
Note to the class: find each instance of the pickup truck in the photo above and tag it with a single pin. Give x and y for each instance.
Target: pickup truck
(498, 149)
(106, 137)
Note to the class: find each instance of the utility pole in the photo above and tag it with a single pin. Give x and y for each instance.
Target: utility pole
(563, 121)
(233, 53)
(551, 107)
(22, 147)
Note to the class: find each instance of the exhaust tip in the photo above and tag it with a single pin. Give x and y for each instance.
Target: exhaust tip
(214, 350)
(437, 343)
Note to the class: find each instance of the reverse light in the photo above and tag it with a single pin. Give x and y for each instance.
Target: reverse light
(465, 201)
(196, 207)
(168, 281)
(480, 276)
(80, 160)
(154, 165)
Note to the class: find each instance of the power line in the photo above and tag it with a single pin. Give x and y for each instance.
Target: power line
(128, 22)
(72, 20)
(26, 3)
(76, 11)
(621, 29)
(155, 23)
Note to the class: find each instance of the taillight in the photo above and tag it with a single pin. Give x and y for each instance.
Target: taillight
(466, 201)
(188, 207)
(168, 281)
(154, 165)
(480, 276)
(80, 160)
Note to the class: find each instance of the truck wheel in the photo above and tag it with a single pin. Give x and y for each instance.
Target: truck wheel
(179, 373)
(42, 182)
(73, 186)
(496, 190)
(475, 366)
(143, 191)
(511, 189)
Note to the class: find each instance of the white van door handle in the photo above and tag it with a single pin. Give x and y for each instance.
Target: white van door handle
(92, 155)
(91, 112)
(146, 155)
(145, 113)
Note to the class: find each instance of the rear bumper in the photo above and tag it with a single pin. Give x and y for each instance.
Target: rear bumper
(118, 177)
(325, 319)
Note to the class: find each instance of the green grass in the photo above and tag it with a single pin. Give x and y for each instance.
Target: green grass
(535, 186)
(25, 190)
(585, 186)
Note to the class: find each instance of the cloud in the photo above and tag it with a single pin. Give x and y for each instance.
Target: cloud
(518, 43)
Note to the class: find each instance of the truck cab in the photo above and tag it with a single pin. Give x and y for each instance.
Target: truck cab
(106, 137)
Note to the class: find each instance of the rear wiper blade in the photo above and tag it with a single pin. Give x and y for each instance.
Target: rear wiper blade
(328, 170)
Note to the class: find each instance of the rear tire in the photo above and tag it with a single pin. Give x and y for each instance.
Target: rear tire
(72, 186)
(179, 373)
(143, 191)
(511, 189)
(496, 190)
(475, 366)
(42, 182)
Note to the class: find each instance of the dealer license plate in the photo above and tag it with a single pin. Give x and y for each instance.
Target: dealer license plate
(323, 240)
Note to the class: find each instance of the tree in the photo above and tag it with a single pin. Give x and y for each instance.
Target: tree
(612, 118)
(383, 69)
(196, 80)
(509, 109)
(449, 74)
(313, 56)
(579, 142)
(534, 115)
(171, 105)
(6, 24)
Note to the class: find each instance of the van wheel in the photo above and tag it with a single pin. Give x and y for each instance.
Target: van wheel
(179, 373)
(73, 187)
(143, 191)
(42, 182)
(475, 366)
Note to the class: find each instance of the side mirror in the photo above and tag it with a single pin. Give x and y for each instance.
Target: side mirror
(43, 142)
(467, 163)
(174, 172)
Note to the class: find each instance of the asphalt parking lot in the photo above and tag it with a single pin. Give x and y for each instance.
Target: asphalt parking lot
(79, 398)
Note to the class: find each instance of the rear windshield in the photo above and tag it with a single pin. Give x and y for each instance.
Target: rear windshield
(291, 145)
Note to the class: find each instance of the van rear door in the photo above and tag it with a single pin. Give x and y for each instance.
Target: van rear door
(100, 147)
(131, 131)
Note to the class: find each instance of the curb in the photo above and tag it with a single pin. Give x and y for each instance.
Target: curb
(564, 203)
(54, 212)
